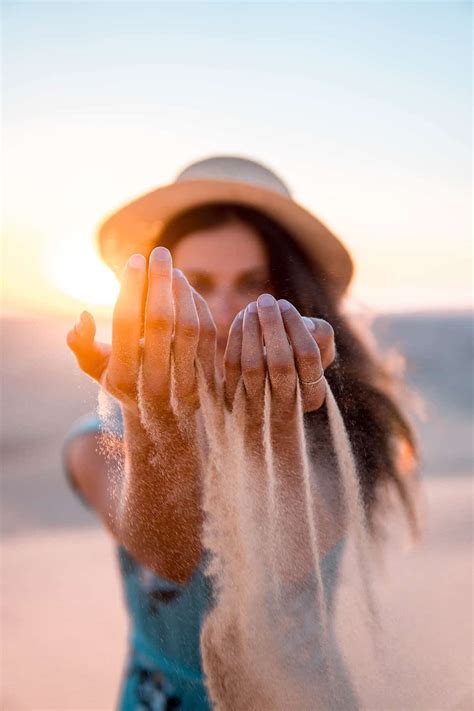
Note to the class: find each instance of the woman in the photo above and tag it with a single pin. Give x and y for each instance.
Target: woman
(220, 257)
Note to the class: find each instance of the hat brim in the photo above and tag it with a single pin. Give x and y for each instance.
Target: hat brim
(137, 226)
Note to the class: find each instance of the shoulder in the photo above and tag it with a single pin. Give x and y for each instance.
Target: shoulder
(84, 449)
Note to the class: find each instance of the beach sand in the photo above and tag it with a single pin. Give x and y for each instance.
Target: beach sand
(63, 625)
(63, 622)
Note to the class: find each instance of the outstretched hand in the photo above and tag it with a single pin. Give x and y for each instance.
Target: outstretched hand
(267, 338)
(160, 326)
(270, 337)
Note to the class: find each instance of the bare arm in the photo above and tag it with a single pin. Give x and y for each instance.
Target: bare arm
(159, 510)
(92, 474)
(172, 551)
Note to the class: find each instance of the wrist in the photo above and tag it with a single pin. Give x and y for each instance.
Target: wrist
(138, 445)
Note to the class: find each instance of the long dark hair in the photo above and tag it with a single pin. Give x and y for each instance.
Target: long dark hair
(363, 387)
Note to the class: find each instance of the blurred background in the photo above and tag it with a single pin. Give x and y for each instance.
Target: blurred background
(364, 108)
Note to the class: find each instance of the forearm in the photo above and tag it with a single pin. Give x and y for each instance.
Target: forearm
(159, 513)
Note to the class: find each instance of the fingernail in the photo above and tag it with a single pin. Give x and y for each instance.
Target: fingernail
(284, 305)
(178, 272)
(136, 261)
(160, 254)
(252, 308)
(265, 300)
(309, 323)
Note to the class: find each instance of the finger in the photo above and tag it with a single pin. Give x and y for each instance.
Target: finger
(122, 373)
(307, 357)
(186, 337)
(206, 351)
(92, 357)
(159, 323)
(81, 336)
(323, 333)
(280, 362)
(253, 376)
(232, 359)
(85, 327)
(252, 355)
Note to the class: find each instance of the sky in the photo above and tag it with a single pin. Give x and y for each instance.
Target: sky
(364, 108)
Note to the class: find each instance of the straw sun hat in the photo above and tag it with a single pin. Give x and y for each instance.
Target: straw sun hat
(136, 227)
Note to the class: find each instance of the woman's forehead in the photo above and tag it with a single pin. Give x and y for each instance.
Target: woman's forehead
(232, 247)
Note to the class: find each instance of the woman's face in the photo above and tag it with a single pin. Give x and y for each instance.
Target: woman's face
(228, 266)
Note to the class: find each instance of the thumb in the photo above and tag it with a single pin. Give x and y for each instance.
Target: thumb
(92, 356)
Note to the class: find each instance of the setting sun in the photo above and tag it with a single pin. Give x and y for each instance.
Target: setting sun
(79, 273)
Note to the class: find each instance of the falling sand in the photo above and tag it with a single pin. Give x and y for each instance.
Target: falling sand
(281, 514)
(268, 643)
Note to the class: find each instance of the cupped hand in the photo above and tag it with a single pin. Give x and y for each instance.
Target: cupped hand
(158, 367)
(271, 348)
(271, 337)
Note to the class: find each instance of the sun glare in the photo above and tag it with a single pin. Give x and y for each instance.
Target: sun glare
(80, 274)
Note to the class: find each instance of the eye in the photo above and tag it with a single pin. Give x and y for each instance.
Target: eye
(254, 283)
(201, 282)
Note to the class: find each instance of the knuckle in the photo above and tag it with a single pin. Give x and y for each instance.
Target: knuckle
(282, 368)
(309, 355)
(122, 383)
(155, 393)
(187, 329)
(253, 369)
(119, 383)
(159, 321)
